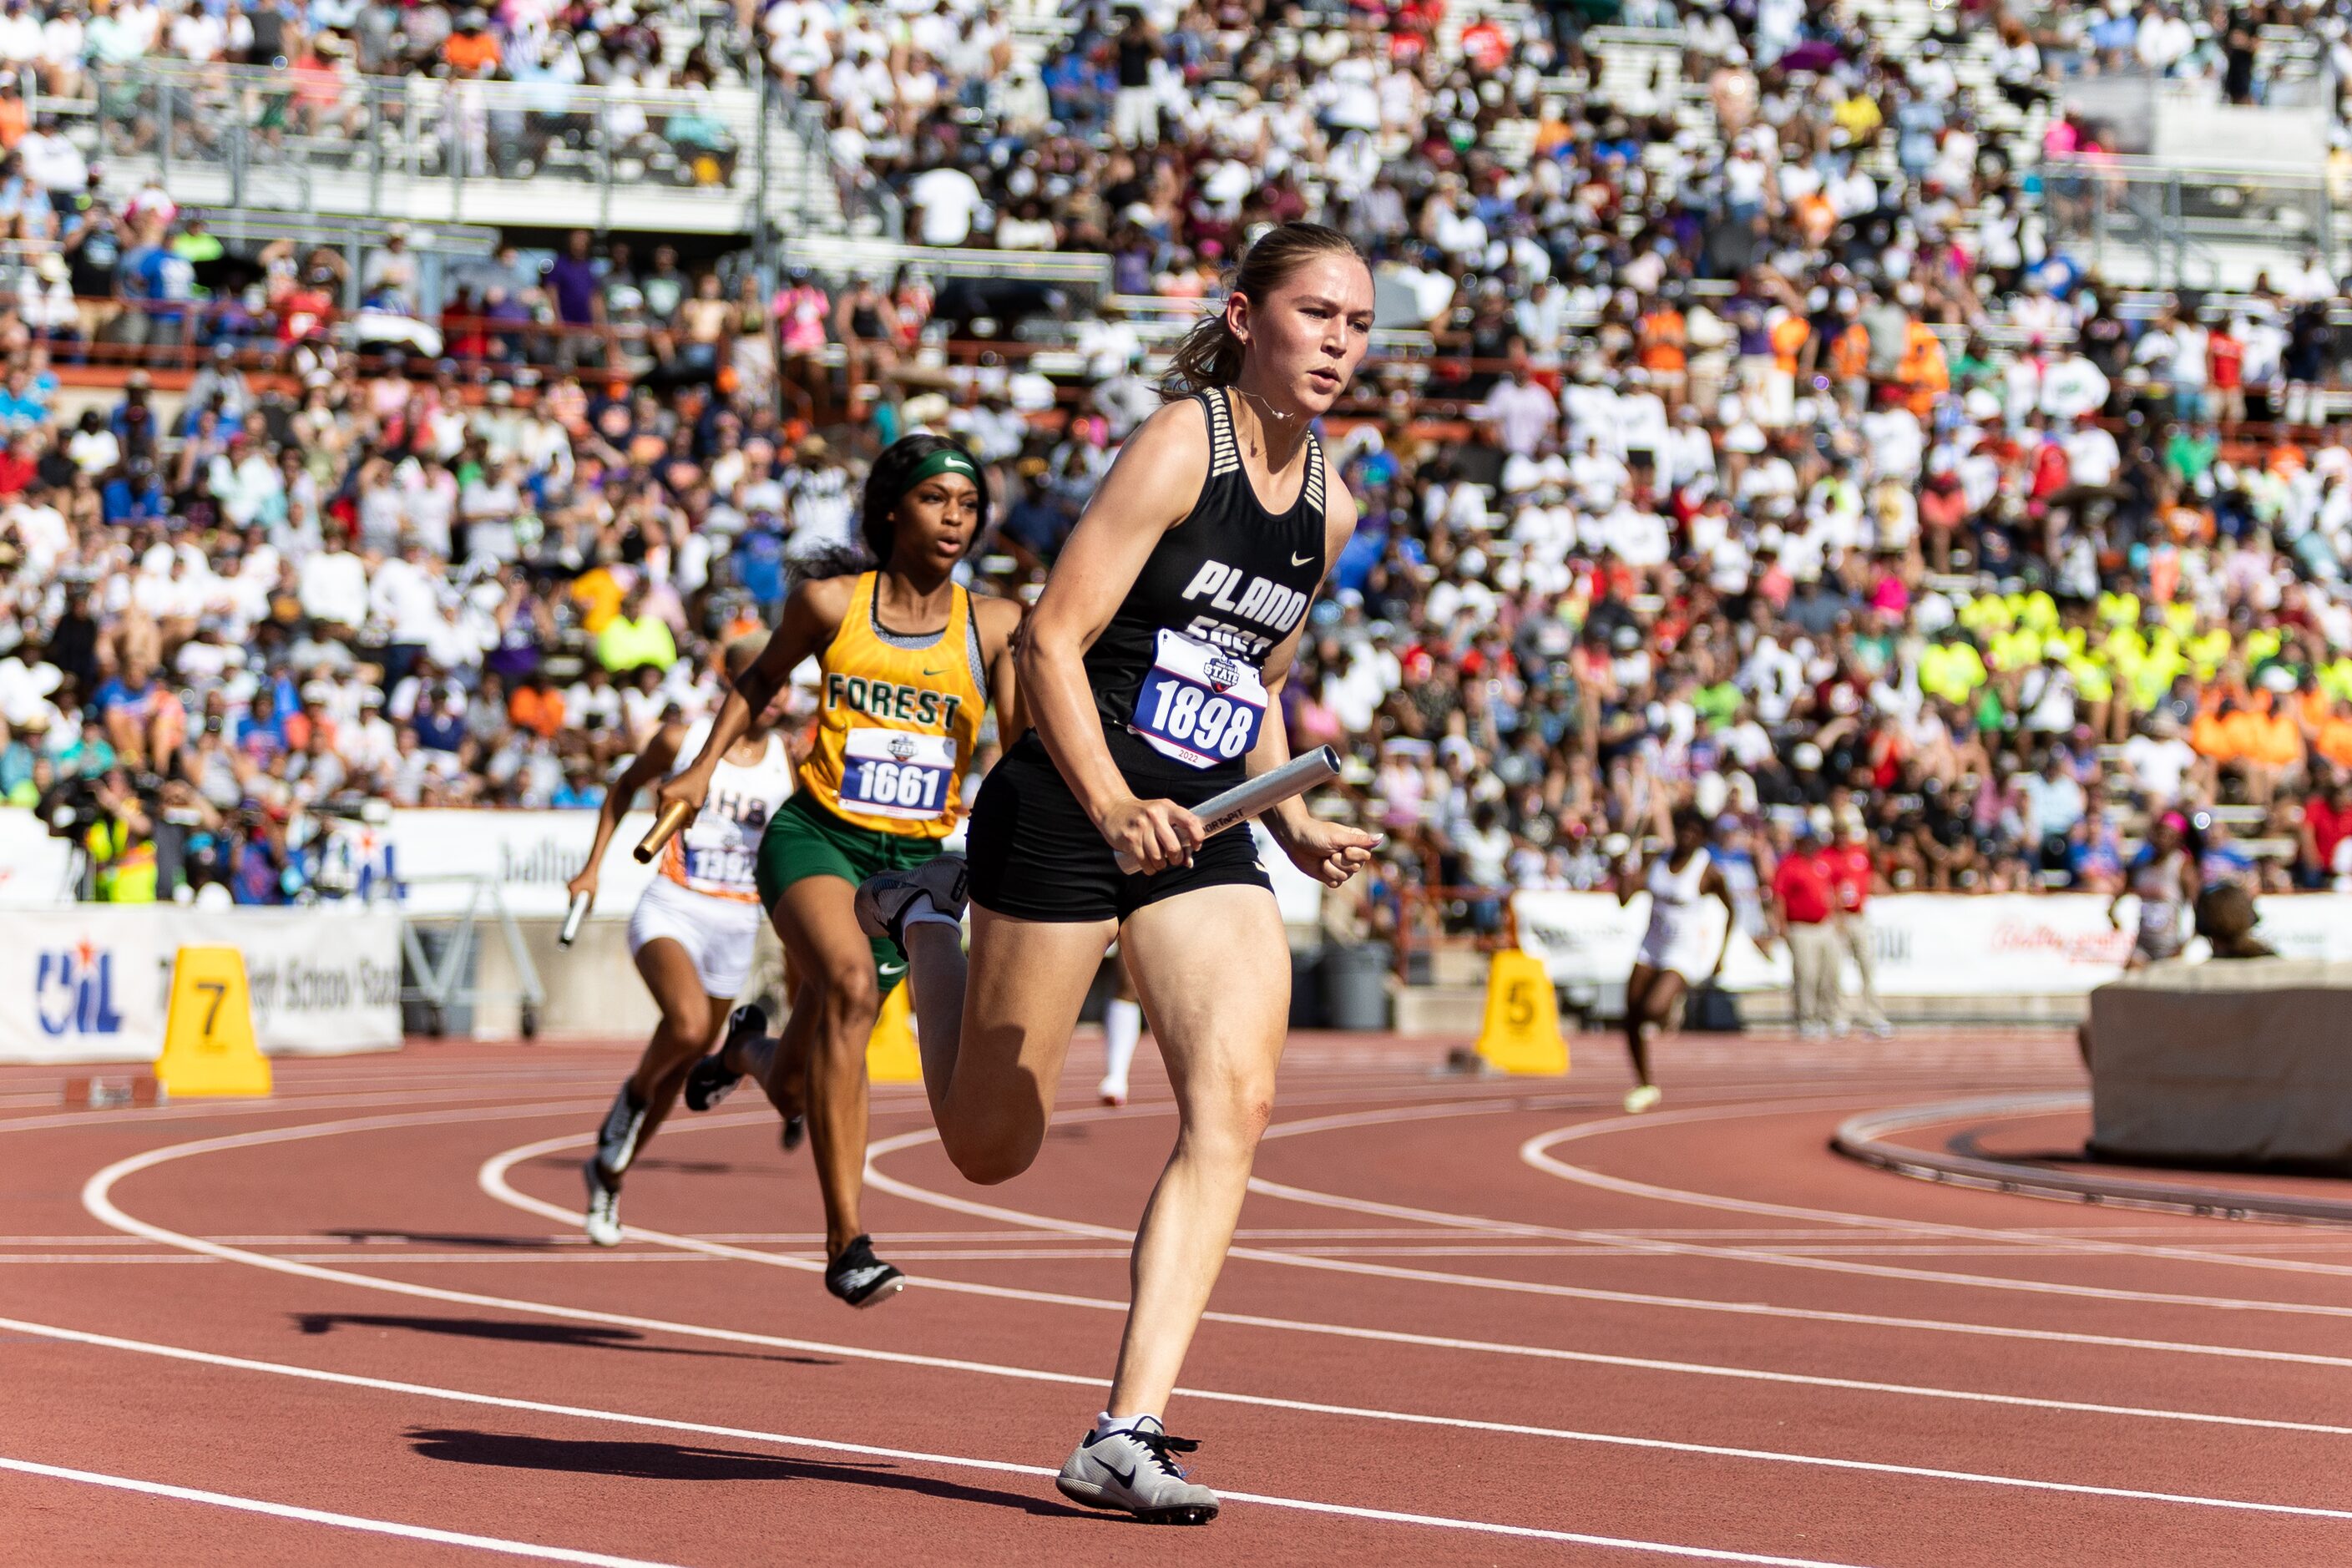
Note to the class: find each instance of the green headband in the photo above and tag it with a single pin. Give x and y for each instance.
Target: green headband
(946, 460)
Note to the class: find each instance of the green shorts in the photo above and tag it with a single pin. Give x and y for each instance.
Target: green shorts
(804, 840)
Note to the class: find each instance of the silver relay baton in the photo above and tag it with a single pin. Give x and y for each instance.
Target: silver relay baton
(1254, 797)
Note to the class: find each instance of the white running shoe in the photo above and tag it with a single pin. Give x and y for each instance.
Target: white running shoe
(1129, 1471)
(616, 1141)
(603, 1221)
(1642, 1097)
(1112, 1091)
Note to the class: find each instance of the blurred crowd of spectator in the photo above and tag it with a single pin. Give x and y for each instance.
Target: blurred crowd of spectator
(1778, 465)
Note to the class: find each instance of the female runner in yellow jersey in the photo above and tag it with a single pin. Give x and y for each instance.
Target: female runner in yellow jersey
(909, 660)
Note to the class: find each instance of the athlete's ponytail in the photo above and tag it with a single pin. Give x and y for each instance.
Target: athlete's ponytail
(1210, 354)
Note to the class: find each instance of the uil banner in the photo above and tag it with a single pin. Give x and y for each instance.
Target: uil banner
(88, 982)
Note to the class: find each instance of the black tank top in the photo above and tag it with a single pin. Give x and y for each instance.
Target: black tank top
(1177, 674)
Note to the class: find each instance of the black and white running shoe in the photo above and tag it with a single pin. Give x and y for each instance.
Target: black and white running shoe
(616, 1141)
(1131, 1471)
(710, 1080)
(603, 1221)
(860, 1278)
(882, 899)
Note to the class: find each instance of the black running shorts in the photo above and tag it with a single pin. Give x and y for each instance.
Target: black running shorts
(1035, 855)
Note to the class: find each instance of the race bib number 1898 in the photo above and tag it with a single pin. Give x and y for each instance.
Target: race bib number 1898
(890, 773)
(1197, 705)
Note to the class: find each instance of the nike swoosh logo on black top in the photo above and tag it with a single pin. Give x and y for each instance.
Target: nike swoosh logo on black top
(1300, 560)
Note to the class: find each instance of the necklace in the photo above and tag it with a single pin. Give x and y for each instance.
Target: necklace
(1269, 416)
(1269, 410)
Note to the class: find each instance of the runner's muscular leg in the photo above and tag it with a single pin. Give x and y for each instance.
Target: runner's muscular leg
(779, 1063)
(1220, 1012)
(1658, 1003)
(993, 1036)
(689, 1019)
(1637, 1011)
(839, 999)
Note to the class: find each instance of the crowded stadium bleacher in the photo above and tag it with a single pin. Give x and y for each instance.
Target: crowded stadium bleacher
(1744, 426)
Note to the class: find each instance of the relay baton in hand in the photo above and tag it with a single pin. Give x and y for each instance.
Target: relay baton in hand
(673, 817)
(572, 918)
(1253, 797)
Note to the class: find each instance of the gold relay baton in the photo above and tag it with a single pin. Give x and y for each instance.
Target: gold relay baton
(673, 817)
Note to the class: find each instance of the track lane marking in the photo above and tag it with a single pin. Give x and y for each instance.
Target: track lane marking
(495, 1179)
(1813, 1263)
(1537, 1152)
(321, 1516)
(96, 1200)
(869, 1450)
(2088, 1238)
(882, 1182)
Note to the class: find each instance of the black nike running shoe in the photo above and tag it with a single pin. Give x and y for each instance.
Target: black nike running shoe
(710, 1080)
(860, 1278)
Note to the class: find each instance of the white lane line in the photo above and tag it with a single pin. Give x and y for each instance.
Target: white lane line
(1811, 1262)
(389, 1261)
(320, 1516)
(880, 1182)
(1789, 1260)
(115, 1121)
(1537, 1152)
(495, 1178)
(870, 1450)
(96, 1200)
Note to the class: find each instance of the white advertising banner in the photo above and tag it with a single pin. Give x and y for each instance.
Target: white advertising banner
(530, 855)
(434, 855)
(2307, 925)
(88, 982)
(1927, 944)
(35, 870)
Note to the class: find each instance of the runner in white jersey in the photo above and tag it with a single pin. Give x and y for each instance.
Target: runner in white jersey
(694, 928)
(1676, 951)
(2165, 877)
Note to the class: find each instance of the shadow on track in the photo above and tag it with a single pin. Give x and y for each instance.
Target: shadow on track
(684, 1167)
(442, 1238)
(588, 1336)
(686, 1462)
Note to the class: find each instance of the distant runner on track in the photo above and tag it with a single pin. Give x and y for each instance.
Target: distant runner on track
(694, 928)
(1673, 952)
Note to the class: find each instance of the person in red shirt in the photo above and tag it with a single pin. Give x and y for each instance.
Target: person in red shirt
(1851, 866)
(2225, 358)
(1804, 909)
(2327, 822)
(19, 462)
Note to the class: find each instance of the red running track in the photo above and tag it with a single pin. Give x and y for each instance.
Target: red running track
(1466, 1321)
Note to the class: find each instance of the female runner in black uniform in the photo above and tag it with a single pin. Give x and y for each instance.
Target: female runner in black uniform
(1152, 670)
